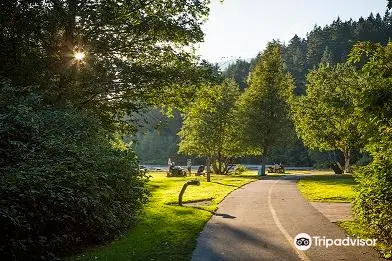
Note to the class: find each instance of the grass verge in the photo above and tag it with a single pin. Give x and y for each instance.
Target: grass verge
(167, 231)
(310, 171)
(328, 188)
(339, 188)
(354, 229)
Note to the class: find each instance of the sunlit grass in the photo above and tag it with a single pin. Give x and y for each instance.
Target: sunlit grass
(323, 188)
(311, 172)
(167, 231)
(355, 229)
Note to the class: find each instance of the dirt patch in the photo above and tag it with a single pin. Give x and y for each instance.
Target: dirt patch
(334, 211)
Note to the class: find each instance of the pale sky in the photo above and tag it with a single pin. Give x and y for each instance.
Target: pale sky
(241, 28)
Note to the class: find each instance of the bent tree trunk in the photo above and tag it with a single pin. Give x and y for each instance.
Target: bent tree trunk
(347, 158)
(189, 182)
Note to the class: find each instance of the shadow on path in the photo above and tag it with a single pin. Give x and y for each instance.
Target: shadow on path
(218, 246)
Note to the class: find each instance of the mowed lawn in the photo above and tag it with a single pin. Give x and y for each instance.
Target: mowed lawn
(328, 188)
(167, 231)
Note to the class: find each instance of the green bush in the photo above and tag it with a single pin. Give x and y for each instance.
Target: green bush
(239, 169)
(373, 204)
(64, 182)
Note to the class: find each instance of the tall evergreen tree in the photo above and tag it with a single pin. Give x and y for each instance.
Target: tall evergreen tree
(239, 72)
(263, 108)
(317, 40)
(327, 57)
(294, 55)
(339, 37)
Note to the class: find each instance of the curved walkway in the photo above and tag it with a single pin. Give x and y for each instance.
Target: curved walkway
(260, 221)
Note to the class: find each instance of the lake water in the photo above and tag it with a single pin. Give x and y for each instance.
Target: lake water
(195, 167)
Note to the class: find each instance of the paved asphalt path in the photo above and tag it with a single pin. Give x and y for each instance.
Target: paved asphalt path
(260, 221)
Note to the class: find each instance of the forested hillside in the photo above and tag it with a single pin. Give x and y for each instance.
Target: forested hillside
(157, 140)
(331, 44)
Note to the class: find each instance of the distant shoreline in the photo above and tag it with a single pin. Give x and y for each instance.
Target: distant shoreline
(195, 167)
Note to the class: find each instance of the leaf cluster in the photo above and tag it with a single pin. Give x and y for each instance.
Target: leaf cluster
(326, 117)
(135, 53)
(208, 126)
(263, 109)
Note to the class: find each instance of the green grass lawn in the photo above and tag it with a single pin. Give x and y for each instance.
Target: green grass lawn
(167, 231)
(310, 171)
(355, 229)
(338, 188)
(328, 188)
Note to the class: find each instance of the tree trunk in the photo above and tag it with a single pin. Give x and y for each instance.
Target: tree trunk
(262, 173)
(215, 166)
(218, 168)
(227, 166)
(347, 158)
(220, 171)
(208, 170)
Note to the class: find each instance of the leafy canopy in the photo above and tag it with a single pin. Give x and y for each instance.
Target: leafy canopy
(263, 109)
(134, 51)
(325, 118)
(208, 127)
(373, 202)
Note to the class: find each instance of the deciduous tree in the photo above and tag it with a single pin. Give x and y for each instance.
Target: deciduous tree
(325, 118)
(373, 201)
(130, 52)
(208, 127)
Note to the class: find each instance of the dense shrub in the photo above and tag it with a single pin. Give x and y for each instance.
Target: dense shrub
(373, 204)
(64, 182)
(239, 169)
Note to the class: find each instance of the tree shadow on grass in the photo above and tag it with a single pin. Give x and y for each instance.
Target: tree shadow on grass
(245, 177)
(175, 203)
(331, 179)
(215, 213)
(229, 185)
(154, 187)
